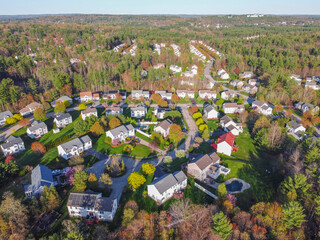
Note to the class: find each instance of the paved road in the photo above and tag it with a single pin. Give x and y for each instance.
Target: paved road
(193, 129)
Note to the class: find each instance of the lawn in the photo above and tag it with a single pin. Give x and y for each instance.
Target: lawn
(176, 164)
(212, 125)
(139, 135)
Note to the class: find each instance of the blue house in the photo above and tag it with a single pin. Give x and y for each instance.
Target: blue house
(41, 176)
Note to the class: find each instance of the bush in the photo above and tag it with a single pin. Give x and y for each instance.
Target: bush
(66, 103)
(11, 120)
(17, 117)
(197, 115)
(82, 106)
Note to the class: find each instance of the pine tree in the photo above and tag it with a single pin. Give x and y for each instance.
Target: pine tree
(293, 215)
(221, 225)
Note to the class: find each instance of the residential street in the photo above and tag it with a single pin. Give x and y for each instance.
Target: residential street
(193, 129)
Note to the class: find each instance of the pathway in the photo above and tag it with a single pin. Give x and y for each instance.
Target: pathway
(205, 191)
(162, 152)
(193, 129)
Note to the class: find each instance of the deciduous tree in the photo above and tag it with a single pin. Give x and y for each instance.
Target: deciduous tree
(24, 122)
(97, 129)
(59, 107)
(39, 114)
(136, 179)
(175, 133)
(80, 180)
(148, 168)
(114, 122)
(38, 148)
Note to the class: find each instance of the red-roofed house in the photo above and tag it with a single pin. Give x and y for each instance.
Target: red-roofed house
(86, 96)
(225, 143)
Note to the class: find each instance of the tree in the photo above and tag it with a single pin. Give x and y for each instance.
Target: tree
(66, 103)
(156, 97)
(167, 159)
(80, 180)
(105, 179)
(24, 122)
(97, 129)
(148, 168)
(221, 225)
(92, 178)
(76, 160)
(59, 107)
(82, 106)
(193, 110)
(175, 98)
(313, 155)
(49, 198)
(205, 134)
(278, 108)
(80, 126)
(60, 80)
(293, 215)
(38, 148)
(220, 102)
(9, 158)
(163, 103)
(288, 113)
(175, 133)
(74, 235)
(199, 121)
(10, 120)
(222, 190)
(197, 115)
(39, 114)
(296, 183)
(114, 122)
(180, 153)
(136, 179)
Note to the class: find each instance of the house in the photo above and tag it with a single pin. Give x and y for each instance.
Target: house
(40, 176)
(175, 49)
(96, 97)
(13, 145)
(185, 93)
(210, 112)
(207, 94)
(261, 107)
(89, 204)
(74, 147)
(37, 129)
(163, 128)
(297, 130)
(229, 125)
(90, 111)
(175, 68)
(246, 75)
(121, 133)
(137, 94)
(160, 112)
(313, 85)
(164, 94)
(253, 82)
(86, 97)
(233, 108)
(225, 143)
(163, 188)
(4, 116)
(158, 66)
(207, 166)
(236, 83)
(62, 99)
(228, 94)
(139, 111)
(297, 78)
(250, 89)
(111, 95)
(223, 74)
(30, 108)
(62, 119)
(114, 110)
(304, 107)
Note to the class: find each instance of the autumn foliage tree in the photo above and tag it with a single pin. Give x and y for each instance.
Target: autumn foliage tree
(59, 107)
(162, 103)
(175, 133)
(38, 147)
(278, 108)
(39, 114)
(148, 168)
(24, 122)
(193, 110)
(156, 97)
(9, 159)
(97, 129)
(136, 179)
(175, 98)
(114, 122)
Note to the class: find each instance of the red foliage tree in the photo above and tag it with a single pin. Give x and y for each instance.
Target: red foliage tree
(24, 122)
(9, 159)
(38, 147)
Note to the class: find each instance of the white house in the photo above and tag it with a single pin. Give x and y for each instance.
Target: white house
(236, 83)
(297, 130)
(250, 89)
(304, 107)
(86, 97)
(207, 167)
(121, 133)
(4, 116)
(246, 75)
(62, 99)
(225, 143)
(253, 82)
(163, 188)
(62, 119)
(74, 147)
(207, 94)
(185, 93)
(228, 94)
(96, 97)
(164, 94)
(37, 129)
(139, 112)
(313, 85)
(114, 110)
(90, 111)
(163, 128)
(175, 68)
(159, 112)
(137, 94)
(90, 204)
(30, 108)
(175, 49)
(223, 74)
(232, 108)
(229, 125)
(210, 112)
(261, 107)
(13, 145)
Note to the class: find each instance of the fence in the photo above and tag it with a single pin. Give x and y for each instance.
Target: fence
(205, 191)
(148, 123)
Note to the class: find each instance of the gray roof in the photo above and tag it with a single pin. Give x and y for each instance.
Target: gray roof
(258, 103)
(78, 142)
(225, 119)
(87, 200)
(89, 110)
(36, 125)
(5, 114)
(294, 124)
(123, 128)
(41, 176)
(207, 160)
(62, 116)
(104, 204)
(139, 108)
(166, 182)
(11, 141)
(165, 124)
(209, 108)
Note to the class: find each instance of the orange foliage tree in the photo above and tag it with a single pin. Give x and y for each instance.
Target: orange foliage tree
(175, 98)
(114, 122)
(24, 122)
(156, 97)
(175, 133)
(163, 103)
(38, 147)
(193, 110)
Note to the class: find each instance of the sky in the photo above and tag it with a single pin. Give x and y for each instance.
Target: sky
(203, 7)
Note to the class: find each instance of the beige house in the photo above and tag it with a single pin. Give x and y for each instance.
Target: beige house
(163, 128)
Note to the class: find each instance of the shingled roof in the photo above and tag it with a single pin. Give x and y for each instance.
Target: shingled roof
(207, 160)
(227, 137)
(166, 182)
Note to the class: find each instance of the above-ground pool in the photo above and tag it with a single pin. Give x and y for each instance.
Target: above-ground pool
(234, 186)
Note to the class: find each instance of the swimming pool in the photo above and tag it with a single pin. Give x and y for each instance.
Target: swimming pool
(234, 186)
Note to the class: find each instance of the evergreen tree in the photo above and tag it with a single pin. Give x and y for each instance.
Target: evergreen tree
(293, 215)
(221, 225)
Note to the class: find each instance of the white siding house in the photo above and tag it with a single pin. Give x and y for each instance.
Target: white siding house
(225, 144)
(62, 119)
(4, 116)
(74, 147)
(37, 129)
(163, 128)
(261, 107)
(13, 145)
(89, 112)
(86, 97)
(211, 112)
(139, 111)
(121, 133)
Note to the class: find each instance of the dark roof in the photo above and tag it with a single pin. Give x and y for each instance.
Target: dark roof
(62, 116)
(86, 200)
(89, 110)
(225, 119)
(11, 141)
(41, 176)
(209, 108)
(165, 124)
(5, 114)
(36, 125)
(104, 204)
(207, 160)
(165, 182)
(123, 128)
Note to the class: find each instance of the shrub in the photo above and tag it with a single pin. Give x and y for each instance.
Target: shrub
(18, 117)
(82, 106)
(199, 121)
(148, 168)
(197, 115)
(66, 103)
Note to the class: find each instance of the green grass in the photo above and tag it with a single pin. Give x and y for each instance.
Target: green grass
(141, 151)
(176, 164)
(246, 146)
(139, 135)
